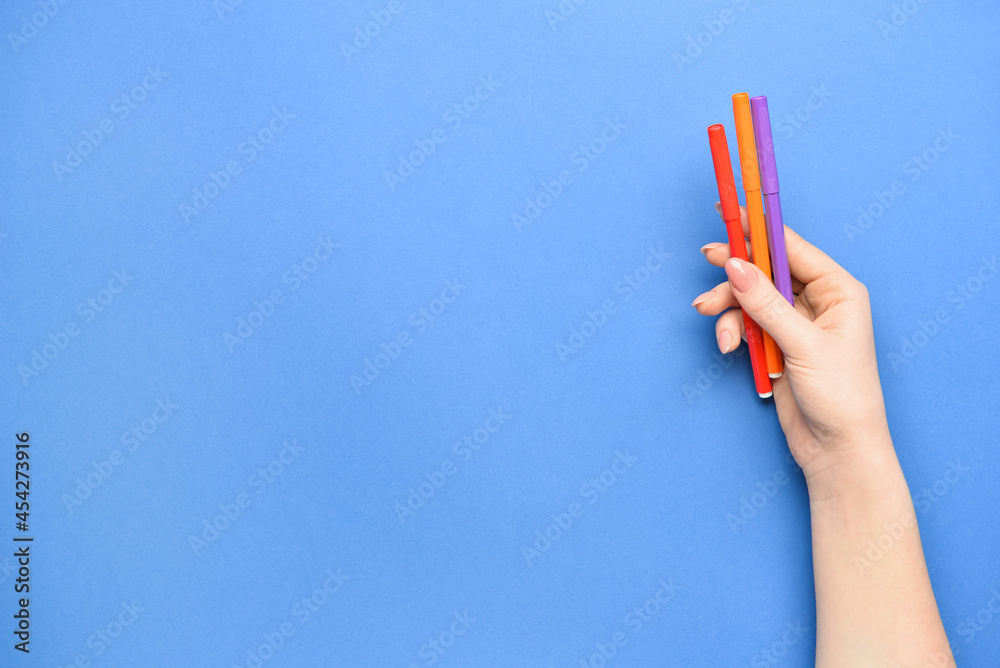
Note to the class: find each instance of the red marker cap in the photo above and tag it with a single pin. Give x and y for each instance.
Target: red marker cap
(724, 172)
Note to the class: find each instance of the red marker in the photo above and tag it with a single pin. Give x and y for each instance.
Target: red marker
(737, 247)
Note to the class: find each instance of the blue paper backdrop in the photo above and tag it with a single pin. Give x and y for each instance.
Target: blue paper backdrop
(358, 334)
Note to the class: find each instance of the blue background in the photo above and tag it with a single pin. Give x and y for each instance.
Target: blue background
(853, 103)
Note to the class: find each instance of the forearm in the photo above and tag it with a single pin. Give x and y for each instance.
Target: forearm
(874, 602)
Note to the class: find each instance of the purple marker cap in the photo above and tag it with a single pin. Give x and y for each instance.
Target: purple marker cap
(765, 144)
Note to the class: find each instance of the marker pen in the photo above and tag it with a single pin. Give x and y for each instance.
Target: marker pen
(755, 212)
(772, 201)
(737, 246)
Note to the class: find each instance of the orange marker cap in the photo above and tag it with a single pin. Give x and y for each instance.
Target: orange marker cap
(745, 142)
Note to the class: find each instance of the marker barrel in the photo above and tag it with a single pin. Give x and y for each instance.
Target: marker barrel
(759, 243)
(747, 143)
(776, 240)
(755, 338)
(737, 245)
(772, 201)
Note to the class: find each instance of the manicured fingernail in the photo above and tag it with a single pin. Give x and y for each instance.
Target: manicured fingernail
(703, 297)
(725, 341)
(707, 247)
(741, 274)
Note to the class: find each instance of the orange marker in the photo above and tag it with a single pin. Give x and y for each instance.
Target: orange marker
(755, 212)
(737, 247)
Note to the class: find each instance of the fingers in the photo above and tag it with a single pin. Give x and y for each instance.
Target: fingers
(794, 333)
(717, 253)
(729, 330)
(721, 297)
(716, 300)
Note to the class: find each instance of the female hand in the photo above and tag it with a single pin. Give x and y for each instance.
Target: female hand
(829, 399)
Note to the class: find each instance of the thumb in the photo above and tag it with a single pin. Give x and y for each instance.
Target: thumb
(791, 330)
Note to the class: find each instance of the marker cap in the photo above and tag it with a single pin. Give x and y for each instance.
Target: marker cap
(765, 144)
(724, 172)
(745, 141)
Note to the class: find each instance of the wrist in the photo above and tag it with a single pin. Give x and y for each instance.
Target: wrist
(864, 466)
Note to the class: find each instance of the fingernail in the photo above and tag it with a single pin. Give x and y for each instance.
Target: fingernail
(725, 341)
(741, 274)
(718, 207)
(703, 297)
(707, 247)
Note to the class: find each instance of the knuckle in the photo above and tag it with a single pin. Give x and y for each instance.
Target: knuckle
(858, 290)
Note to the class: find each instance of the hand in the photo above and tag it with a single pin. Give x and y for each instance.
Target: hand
(829, 399)
(830, 405)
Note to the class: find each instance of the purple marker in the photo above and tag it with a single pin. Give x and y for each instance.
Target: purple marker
(772, 201)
